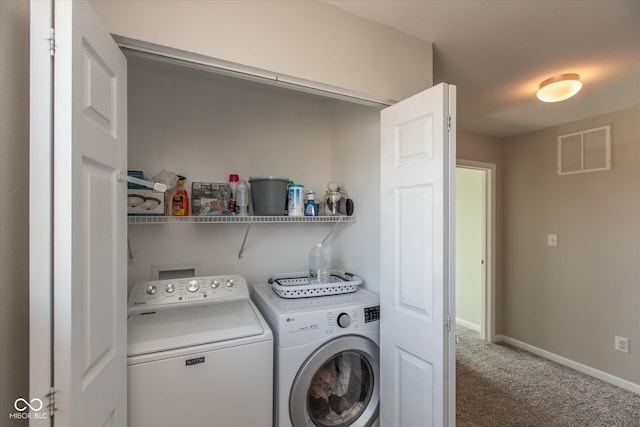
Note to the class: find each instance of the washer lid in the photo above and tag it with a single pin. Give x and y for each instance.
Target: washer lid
(150, 332)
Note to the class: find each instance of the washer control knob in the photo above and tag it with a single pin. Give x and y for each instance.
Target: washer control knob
(193, 285)
(215, 284)
(152, 289)
(170, 288)
(230, 283)
(344, 320)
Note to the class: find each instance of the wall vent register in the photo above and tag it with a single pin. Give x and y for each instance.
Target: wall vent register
(585, 151)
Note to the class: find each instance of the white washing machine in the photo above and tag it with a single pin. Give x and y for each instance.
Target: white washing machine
(199, 354)
(327, 358)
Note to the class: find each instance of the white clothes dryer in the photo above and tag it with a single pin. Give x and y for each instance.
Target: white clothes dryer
(199, 354)
(327, 358)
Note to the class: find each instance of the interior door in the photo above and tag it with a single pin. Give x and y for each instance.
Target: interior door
(417, 298)
(88, 295)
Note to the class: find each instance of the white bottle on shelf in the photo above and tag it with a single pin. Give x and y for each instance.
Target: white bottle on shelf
(242, 199)
(319, 265)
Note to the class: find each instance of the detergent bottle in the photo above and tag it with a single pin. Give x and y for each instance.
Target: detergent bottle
(180, 202)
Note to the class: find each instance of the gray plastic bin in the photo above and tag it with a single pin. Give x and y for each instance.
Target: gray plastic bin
(268, 194)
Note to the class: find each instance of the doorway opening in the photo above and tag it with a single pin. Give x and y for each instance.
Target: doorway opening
(475, 247)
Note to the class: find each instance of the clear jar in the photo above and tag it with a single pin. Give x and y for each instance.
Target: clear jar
(331, 202)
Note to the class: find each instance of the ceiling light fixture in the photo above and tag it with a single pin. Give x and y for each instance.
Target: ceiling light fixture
(560, 87)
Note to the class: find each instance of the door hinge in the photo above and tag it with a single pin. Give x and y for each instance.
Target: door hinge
(51, 405)
(52, 41)
(448, 122)
(448, 322)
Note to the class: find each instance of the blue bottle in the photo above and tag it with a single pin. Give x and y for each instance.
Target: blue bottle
(311, 207)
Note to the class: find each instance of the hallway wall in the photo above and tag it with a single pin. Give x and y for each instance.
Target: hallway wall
(573, 299)
(14, 218)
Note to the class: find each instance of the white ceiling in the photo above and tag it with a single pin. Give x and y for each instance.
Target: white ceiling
(498, 51)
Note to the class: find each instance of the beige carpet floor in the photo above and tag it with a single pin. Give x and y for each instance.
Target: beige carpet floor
(499, 385)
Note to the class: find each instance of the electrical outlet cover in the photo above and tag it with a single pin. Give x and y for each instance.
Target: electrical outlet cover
(622, 344)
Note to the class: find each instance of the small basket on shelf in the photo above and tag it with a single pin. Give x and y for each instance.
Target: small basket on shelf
(296, 285)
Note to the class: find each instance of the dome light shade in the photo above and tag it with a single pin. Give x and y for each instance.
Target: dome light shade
(558, 88)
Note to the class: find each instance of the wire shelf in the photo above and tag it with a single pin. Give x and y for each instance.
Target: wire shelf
(232, 219)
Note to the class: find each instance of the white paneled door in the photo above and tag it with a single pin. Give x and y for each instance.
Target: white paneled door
(87, 289)
(417, 260)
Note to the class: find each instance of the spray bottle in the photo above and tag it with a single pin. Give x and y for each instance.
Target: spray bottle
(180, 202)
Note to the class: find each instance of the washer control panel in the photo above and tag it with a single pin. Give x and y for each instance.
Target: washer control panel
(189, 290)
(355, 318)
(371, 314)
(331, 321)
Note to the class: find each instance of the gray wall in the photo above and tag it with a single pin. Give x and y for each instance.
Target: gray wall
(572, 300)
(14, 208)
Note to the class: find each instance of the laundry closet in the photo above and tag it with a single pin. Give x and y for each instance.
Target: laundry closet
(203, 114)
(205, 125)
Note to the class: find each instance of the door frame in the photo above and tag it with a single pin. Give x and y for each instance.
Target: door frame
(488, 300)
(41, 211)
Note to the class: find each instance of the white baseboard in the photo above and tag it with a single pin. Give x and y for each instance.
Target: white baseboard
(468, 325)
(611, 379)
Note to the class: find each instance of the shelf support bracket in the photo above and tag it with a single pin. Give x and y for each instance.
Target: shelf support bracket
(244, 240)
(330, 232)
(129, 251)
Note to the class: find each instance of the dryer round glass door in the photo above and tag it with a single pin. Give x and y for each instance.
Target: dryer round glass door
(338, 385)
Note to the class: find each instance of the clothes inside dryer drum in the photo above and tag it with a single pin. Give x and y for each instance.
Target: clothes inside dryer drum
(340, 390)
